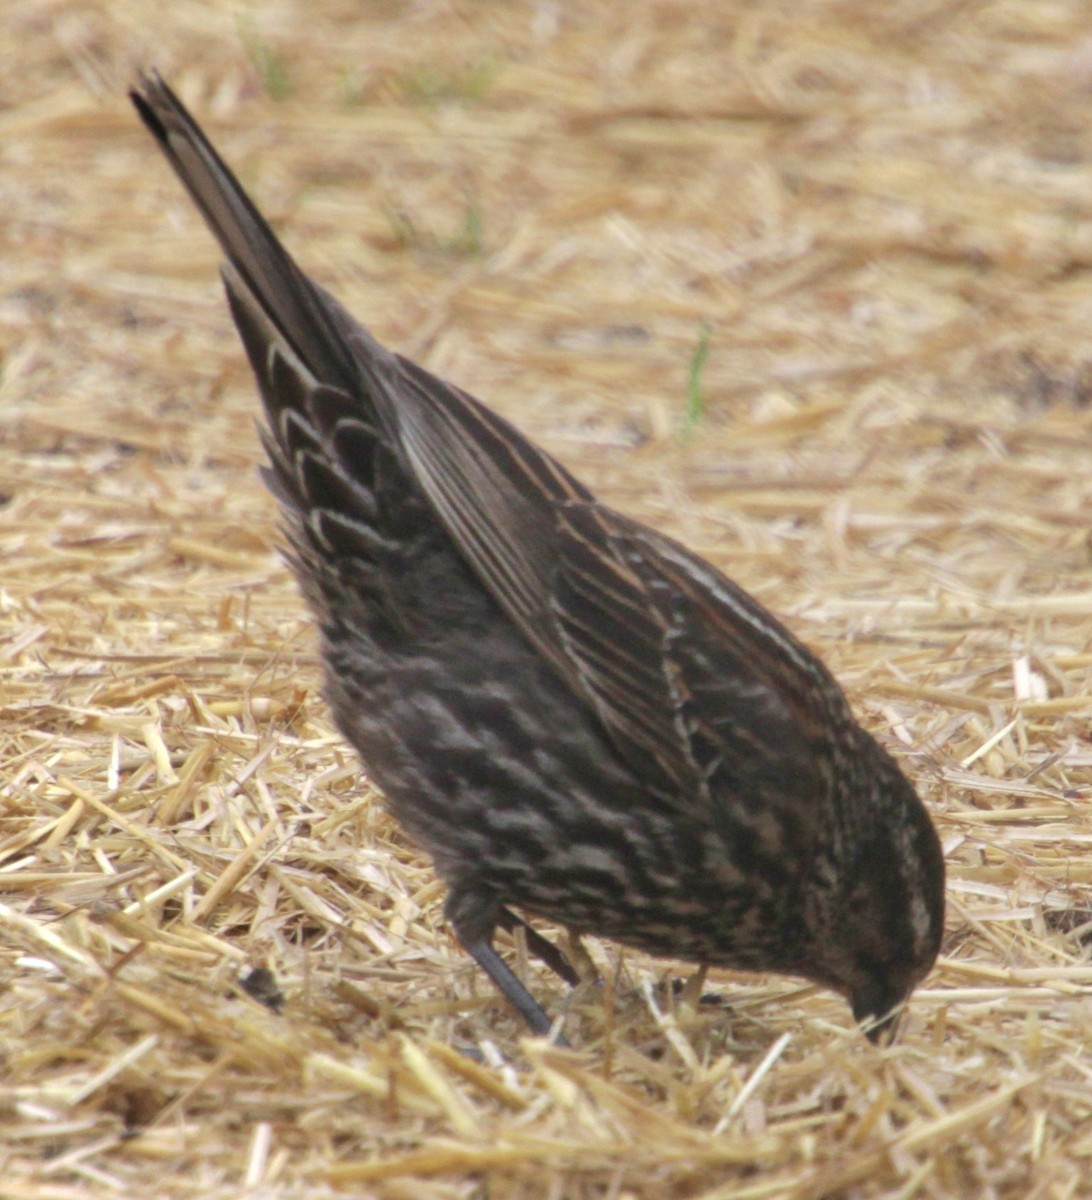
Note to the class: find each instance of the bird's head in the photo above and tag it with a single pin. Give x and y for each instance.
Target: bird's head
(884, 929)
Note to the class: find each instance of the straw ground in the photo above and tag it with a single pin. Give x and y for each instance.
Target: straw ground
(804, 285)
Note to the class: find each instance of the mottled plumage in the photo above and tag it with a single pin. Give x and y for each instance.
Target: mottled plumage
(574, 715)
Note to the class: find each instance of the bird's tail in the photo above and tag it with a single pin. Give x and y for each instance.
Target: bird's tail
(257, 260)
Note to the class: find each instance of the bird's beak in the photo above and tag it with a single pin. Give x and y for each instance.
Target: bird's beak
(881, 1031)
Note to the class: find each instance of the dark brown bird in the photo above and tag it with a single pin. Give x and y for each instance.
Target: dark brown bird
(574, 715)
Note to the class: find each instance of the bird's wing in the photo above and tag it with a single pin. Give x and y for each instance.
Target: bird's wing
(752, 709)
(496, 494)
(693, 680)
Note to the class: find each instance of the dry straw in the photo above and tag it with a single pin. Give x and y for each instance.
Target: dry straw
(878, 219)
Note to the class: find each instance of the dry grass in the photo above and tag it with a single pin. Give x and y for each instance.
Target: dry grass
(883, 216)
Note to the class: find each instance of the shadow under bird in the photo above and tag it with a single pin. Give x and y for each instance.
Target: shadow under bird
(574, 715)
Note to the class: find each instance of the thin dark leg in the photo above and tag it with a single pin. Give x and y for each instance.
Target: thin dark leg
(509, 984)
(539, 946)
(474, 915)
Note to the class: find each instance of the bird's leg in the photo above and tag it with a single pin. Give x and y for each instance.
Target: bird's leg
(509, 983)
(541, 947)
(473, 918)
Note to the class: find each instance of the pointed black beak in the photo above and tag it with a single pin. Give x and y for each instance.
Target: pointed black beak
(881, 1031)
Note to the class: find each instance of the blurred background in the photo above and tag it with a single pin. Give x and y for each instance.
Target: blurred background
(804, 285)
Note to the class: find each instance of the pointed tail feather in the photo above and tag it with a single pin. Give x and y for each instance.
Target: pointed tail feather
(261, 264)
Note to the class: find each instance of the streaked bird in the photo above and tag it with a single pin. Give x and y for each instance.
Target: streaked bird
(575, 716)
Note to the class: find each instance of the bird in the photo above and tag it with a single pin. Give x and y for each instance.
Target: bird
(576, 717)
